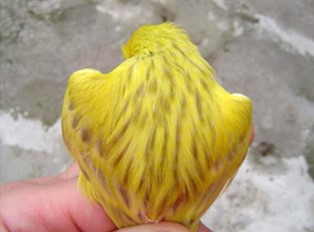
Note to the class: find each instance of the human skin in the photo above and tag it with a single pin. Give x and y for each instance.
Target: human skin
(55, 204)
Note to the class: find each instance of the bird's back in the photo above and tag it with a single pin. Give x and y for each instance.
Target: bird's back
(158, 138)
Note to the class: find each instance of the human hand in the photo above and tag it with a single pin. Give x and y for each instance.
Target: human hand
(55, 204)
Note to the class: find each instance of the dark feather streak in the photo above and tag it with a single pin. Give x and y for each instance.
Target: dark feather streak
(85, 135)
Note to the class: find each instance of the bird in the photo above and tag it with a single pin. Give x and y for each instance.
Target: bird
(157, 138)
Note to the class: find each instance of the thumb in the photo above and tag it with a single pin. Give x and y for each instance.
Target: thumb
(162, 226)
(202, 228)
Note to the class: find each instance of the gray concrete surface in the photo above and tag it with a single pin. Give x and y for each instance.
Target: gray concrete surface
(263, 49)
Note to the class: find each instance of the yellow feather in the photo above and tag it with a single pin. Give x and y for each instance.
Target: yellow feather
(157, 138)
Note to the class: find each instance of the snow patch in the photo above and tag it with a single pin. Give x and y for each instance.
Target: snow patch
(260, 201)
(295, 41)
(28, 134)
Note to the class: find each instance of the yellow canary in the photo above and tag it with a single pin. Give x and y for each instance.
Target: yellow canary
(157, 138)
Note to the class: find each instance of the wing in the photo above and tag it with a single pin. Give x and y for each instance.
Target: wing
(104, 128)
(87, 91)
(234, 129)
(88, 107)
(222, 149)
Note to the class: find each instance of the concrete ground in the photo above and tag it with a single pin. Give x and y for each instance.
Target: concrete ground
(263, 49)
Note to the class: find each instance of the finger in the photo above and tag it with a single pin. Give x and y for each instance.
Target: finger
(87, 215)
(70, 172)
(22, 184)
(10, 187)
(162, 226)
(202, 228)
(252, 135)
(57, 205)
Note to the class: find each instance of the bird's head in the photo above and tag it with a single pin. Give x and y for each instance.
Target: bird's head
(151, 39)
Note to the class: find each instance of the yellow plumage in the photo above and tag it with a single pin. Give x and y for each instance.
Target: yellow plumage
(157, 138)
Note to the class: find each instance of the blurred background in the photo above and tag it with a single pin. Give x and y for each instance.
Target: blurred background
(263, 49)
